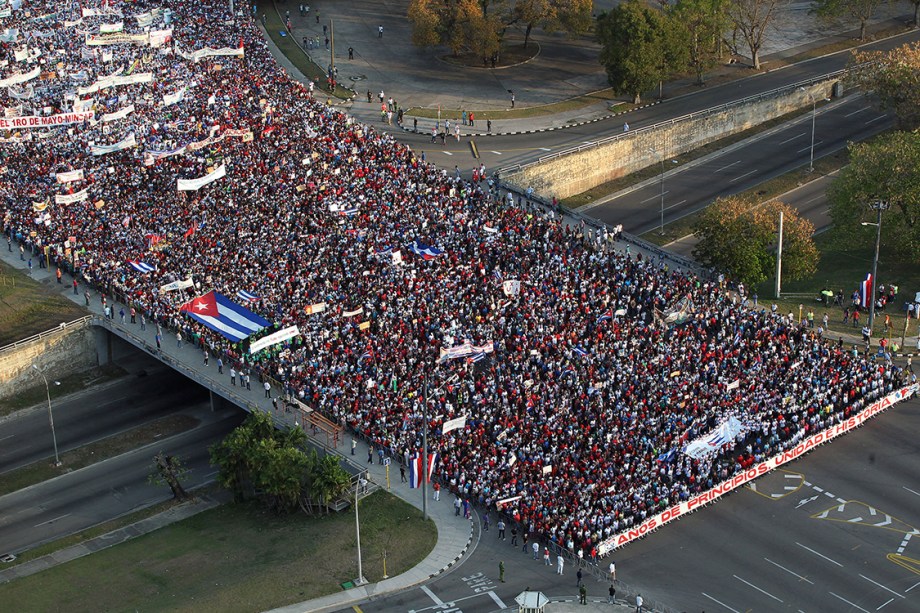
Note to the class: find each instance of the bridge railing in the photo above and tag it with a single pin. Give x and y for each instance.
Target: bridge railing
(70, 325)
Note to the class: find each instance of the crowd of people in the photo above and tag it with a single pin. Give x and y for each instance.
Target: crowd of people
(577, 417)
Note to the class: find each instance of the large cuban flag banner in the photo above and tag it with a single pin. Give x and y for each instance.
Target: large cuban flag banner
(224, 316)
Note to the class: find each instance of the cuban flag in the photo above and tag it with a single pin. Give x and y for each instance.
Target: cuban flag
(606, 315)
(865, 292)
(143, 267)
(247, 296)
(224, 316)
(667, 457)
(367, 355)
(477, 357)
(424, 251)
(580, 351)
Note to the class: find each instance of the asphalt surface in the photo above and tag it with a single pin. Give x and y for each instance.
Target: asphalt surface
(504, 151)
(108, 489)
(827, 533)
(140, 397)
(735, 169)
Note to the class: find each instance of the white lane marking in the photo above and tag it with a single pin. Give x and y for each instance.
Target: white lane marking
(791, 487)
(847, 601)
(871, 511)
(655, 197)
(813, 199)
(874, 120)
(865, 108)
(818, 489)
(805, 501)
(12, 435)
(742, 176)
(544, 148)
(890, 600)
(803, 150)
(905, 541)
(885, 522)
(498, 601)
(807, 483)
(789, 571)
(855, 520)
(757, 588)
(676, 204)
(819, 554)
(431, 595)
(912, 587)
(881, 586)
(497, 152)
(911, 491)
(793, 138)
(447, 153)
(729, 166)
(791, 476)
(51, 520)
(840, 500)
(718, 602)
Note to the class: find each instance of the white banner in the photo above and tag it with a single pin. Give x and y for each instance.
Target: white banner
(115, 81)
(273, 339)
(21, 77)
(121, 38)
(21, 93)
(34, 121)
(111, 28)
(181, 284)
(713, 441)
(126, 143)
(144, 19)
(195, 56)
(319, 307)
(158, 38)
(190, 185)
(700, 500)
(170, 99)
(67, 177)
(119, 114)
(357, 311)
(71, 198)
(109, 10)
(454, 424)
(511, 287)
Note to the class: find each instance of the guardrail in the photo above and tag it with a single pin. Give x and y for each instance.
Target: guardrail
(77, 323)
(669, 122)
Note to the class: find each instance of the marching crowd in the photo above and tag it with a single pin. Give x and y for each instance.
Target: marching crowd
(575, 420)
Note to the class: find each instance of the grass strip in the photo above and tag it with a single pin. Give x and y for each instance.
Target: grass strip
(297, 56)
(28, 306)
(563, 106)
(69, 384)
(237, 557)
(97, 451)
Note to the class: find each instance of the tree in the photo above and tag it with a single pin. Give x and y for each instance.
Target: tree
(858, 10)
(916, 4)
(751, 18)
(635, 48)
(894, 77)
(738, 237)
(887, 168)
(169, 470)
(573, 16)
(424, 22)
(704, 21)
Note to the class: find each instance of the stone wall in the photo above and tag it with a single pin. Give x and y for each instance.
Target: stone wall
(58, 352)
(590, 166)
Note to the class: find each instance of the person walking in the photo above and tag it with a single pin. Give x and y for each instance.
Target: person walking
(536, 550)
(457, 505)
(501, 528)
(578, 576)
(560, 562)
(220, 366)
(546, 561)
(524, 538)
(485, 521)
(436, 488)
(354, 445)
(158, 338)
(639, 603)
(178, 340)
(583, 595)
(75, 287)
(402, 474)
(206, 357)
(232, 376)
(501, 571)
(268, 389)
(611, 594)
(380, 31)
(613, 570)
(370, 454)
(514, 535)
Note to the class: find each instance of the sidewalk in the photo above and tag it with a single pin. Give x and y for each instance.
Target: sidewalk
(455, 534)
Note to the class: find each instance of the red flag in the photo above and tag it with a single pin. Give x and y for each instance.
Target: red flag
(190, 231)
(205, 305)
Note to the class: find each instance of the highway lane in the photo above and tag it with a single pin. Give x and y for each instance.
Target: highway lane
(815, 536)
(775, 152)
(96, 413)
(500, 151)
(108, 489)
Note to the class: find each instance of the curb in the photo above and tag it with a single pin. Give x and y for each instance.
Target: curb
(537, 130)
(462, 553)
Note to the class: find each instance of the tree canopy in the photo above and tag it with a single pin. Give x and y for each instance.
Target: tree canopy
(751, 18)
(860, 11)
(739, 238)
(888, 168)
(893, 77)
(257, 460)
(704, 22)
(640, 46)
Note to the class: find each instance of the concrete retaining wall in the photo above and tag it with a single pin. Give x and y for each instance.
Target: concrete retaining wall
(567, 175)
(58, 352)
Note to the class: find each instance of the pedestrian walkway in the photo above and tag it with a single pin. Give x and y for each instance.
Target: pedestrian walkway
(455, 534)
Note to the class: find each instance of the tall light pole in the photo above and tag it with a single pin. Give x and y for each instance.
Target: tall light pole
(361, 580)
(661, 182)
(425, 453)
(878, 206)
(57, 459)
(814, 103)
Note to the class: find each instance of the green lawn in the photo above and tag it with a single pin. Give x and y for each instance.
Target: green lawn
(233, 558)
(843, 267)
(28, 307)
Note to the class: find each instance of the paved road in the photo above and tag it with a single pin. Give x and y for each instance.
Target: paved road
(515, 149)
(83, 418)
(109, 489)
(733, 170)
(825, 534)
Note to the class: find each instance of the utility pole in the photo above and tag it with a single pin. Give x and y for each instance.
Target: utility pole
(332, 47)
(779, 257)
(57, 459)
(361, 579)
(425, 453)
(878, 206)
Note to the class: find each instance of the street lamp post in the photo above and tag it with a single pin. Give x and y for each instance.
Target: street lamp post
(814, 103)
(57, 459)
(361, 580)
(425, 453)
(878, 206)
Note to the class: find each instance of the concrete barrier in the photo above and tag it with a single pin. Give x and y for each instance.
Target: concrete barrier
(574, 171)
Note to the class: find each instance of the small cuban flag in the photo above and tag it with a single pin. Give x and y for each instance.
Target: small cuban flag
(606, 315)
(143, 267)
(424, 251)
(579, 350)
(248, 296)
